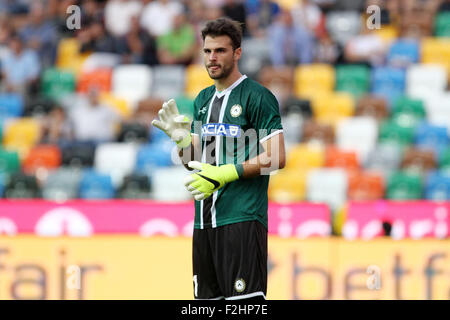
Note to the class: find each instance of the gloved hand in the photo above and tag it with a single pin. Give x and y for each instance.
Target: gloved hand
(210, 178)
(176, 126)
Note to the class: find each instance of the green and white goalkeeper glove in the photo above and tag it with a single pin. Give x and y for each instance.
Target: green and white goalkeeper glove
(176, 126)
(210, 178)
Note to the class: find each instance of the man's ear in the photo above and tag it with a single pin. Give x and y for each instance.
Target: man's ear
(237, 53)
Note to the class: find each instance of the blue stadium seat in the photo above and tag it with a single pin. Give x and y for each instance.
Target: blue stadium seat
(437, 186)
(11, 105)
(388, 82)
(154, 155)
(94, 185)
(403, 53)
(432, 137)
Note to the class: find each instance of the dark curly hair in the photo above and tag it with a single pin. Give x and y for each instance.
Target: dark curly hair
(224, 27)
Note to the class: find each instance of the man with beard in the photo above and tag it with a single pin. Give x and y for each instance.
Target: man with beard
(235, 141)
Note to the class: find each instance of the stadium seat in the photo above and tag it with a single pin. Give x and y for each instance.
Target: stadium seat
(392, 132)
(120, 105)
(425, 79)
(388, 33)
(62, 184)
(116, 160)
(292, 128)
(314, 79)
(418, 161)
(133, 132)
(442, 24)
(42, 156)
(336, 158)
(437, 186)
(168, 81)
(78, 154)
(257, 53)
(11, 105)
(132, 82)
(438, 110)
(38, 107)
(357, 134)
(436, 51)
(68, 55)
(408, 112)
(343, 25)
(432, 137)
(416, 24)
(166, 184)
(197, 79)
(305, 156)
(21, 186)
(444, 160)
(403, 53)
(56, 83)
(332, 108)
(287, 185)
(388, 82)
(279, 80)
(21, 134)
(100, 79)
(354, 79)
(95, 185)
(9, 161)
(154, 155)
(385, 159)
(372, 106)
(99, 61)
(327, 185)
(314, 132)
(135, 186)
(404, 186)
(296, 105)
(365, 186)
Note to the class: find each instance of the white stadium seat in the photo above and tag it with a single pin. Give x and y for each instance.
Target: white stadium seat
(167, 184)
(168, 81)
(115, 159)
(423, 79)
(327, 186)
(132, 82)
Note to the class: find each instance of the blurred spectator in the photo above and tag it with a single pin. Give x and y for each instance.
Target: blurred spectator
(118, 15)
(90, 12)
(234, 9)
(95, 38)
(40, 34)
(20, 67)
(55, 127)
(444, 6)
(138, 46)
(5, 32)
(367, 47)
(307, 14)
(57, 14)
(93, 121)
(289, 43)
(261, 14)
(327, 51)
(157, 16)
(177, 46)
(15, 7)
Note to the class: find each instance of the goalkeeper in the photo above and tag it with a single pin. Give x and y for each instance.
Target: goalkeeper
(234, 142)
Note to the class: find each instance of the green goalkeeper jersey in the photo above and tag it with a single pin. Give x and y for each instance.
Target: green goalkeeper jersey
(231, 125)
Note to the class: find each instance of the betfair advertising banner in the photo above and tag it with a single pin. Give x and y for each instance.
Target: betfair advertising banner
(134, 267)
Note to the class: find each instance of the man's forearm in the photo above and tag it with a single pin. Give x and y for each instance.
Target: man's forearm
(188, 154)
(261, 164)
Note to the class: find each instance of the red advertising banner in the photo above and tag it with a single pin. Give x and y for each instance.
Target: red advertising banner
(411, 219)
(146, 218)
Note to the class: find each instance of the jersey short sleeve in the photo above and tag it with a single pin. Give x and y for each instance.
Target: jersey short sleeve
(264, 113)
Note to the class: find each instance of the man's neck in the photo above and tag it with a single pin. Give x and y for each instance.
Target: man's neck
(222, 84)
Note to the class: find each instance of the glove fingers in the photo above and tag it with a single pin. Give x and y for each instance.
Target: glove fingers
(172, 106)
(162, 115)
(200, 197)
(189, 179)
(195, 165)
(158, 124)
(196, 192)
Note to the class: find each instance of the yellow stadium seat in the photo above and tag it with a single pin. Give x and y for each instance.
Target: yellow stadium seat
(69, 56)
(388, 33)
(287, 185)
(305, 156)
(119, 104)
(197, 79)
(436, 51)
(21, 134)
(333, 107)
(286, 4)
(313, 79)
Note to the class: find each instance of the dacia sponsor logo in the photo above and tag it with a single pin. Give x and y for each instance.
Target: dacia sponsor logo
(221, 129)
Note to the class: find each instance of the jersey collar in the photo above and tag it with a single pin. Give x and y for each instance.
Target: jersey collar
(234, 85)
